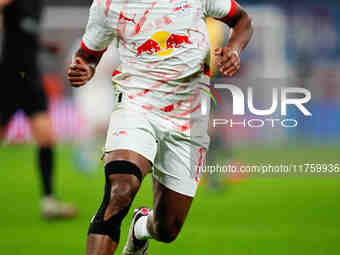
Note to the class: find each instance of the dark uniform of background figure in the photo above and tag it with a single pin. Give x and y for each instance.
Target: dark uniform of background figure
(21, 88)
(22, 85)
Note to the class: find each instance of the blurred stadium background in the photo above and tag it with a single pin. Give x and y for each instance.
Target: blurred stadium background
(296, 44)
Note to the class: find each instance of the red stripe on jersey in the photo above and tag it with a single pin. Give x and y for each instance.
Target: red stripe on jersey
(91, 52)
(232, 11)
(107, 4)
(168, 108)
(143, 19)
(184, 128)
(197, 107)
(147, 107)
(115, 72)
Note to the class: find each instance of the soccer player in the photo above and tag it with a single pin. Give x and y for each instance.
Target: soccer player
(22, 89)
(160, 121)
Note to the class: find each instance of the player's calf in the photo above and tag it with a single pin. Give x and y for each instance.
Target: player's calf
(144, 226)
(166, 221)
(165, 230)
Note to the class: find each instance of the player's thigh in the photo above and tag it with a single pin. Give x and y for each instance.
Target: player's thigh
(179, 162)
(176, 177)
(131, 138)
(170, 207)
(35, 101)
(35, 105)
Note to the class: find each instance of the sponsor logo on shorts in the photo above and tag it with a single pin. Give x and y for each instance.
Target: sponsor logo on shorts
(119, 132)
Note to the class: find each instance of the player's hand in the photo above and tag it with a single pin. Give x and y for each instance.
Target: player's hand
(3, 3)
(228, 61)
(79, 72)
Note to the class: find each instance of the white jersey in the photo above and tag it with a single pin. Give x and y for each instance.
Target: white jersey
(163, 45)
(162, 81)
(150, 32)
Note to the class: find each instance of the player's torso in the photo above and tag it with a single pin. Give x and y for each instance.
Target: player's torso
(160, 35)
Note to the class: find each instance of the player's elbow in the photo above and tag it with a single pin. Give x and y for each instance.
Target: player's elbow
(246, 21)
(245, 25)
(249, 24)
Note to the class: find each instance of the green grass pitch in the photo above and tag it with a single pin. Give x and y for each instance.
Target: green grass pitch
(256, 216)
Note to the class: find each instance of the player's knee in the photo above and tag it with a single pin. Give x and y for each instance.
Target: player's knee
(42, 130)
(123, 182)
(45, 138)
(123, 190)
(2, 134)
(46, 141)
(167, 232)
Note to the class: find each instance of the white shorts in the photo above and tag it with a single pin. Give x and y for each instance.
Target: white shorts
(177, 158)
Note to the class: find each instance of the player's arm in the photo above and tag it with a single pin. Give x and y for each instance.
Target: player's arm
(97, 37)
(232, 14)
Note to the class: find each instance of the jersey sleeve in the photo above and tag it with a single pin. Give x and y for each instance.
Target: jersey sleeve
(219, 9)
(98, 34)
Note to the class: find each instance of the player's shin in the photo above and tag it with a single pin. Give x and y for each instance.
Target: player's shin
(46, 158)
(123, 179)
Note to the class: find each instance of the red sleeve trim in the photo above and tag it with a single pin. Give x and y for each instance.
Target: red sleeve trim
(232, 11)
(91, 52)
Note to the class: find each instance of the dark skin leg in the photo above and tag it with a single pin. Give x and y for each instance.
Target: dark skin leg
(123, 191)
(169, 213)
(170, 208)
(2, 133)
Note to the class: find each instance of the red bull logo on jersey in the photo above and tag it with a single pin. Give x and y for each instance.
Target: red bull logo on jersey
(162, 43)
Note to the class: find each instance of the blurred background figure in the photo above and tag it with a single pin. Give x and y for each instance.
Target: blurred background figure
(23, 90)
(94, 102)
